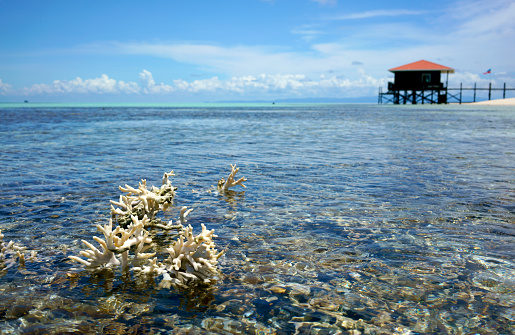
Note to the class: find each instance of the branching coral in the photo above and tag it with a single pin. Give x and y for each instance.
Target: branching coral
(195, 258)
(223, 185)
(10, 251)
(118, 242)
(179, 224)
(190, 260)
(142, 202)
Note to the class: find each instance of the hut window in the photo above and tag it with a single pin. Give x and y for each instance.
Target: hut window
(426, 78)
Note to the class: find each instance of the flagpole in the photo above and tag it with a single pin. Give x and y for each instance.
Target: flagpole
(490, 92)
(489, 71)
(490, 86)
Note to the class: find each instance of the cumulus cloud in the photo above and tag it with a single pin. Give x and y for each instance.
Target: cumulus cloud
(146, 79)
(293, 84)
(245, 86)
(100, 85)
(5, 88)
(148, 84)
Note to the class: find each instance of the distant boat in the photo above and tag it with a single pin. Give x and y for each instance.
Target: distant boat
(26, 101)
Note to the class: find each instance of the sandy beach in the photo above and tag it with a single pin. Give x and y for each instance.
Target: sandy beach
(497, 102)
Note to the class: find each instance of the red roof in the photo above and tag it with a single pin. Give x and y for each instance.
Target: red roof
(422, 65)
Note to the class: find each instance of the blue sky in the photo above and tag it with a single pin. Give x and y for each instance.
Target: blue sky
(195, 51)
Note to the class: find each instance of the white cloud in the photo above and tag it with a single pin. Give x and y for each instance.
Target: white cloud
(494, 18)
(470, 35)
(5, 88)
(292, 84)
(243, 86)
(146, 79)
(148, 84)
(101, 85)
(235, 61)
(241, 61)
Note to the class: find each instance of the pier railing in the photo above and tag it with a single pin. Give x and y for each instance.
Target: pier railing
(458, 96)
(438, 96)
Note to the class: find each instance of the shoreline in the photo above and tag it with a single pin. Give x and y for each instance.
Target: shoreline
(496, 102)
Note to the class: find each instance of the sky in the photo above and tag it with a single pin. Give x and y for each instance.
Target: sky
(243, 50)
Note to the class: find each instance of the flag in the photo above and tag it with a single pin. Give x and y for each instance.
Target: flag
(488, 71)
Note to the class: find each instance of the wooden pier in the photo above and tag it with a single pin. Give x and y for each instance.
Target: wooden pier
(458, 96)
(452, 95)
(420, 83)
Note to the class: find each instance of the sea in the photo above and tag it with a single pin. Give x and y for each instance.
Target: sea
(355, 218)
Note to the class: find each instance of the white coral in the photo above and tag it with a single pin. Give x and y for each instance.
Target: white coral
(10, 251)
(194, 258)
(118, 241)
(141, 201)
(95, 256)
(179, 224)
(152, 268)
(191, 260)
(223, 185)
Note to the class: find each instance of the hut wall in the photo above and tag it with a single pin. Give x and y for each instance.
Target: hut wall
(417, 80)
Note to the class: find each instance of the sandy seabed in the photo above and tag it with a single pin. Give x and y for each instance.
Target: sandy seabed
(497, 102)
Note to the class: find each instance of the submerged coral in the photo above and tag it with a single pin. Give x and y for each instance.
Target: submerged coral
(188, 261)
(10, 252)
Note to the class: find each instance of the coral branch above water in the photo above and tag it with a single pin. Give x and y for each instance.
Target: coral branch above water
(118, 242)
(142, 202)
(223, 185)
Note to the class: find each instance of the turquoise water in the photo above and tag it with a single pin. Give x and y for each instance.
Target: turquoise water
(381, 219)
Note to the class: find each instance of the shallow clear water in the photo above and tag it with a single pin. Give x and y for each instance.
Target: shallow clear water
(380, 219)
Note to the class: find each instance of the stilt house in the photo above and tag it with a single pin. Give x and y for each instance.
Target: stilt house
(418, 82)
